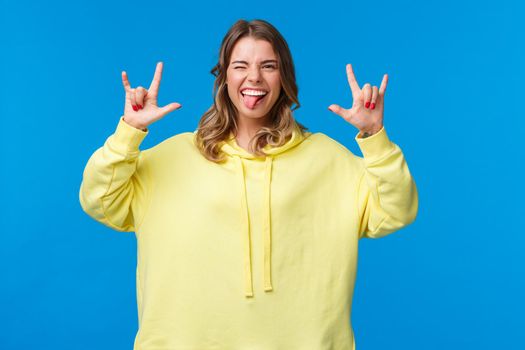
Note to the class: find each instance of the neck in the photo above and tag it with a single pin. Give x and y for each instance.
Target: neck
(247, 127)
(246, 130)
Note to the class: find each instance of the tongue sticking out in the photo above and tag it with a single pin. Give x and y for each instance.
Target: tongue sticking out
(250, 101)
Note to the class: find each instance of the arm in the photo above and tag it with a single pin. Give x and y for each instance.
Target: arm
(112, 186)
(387, 193)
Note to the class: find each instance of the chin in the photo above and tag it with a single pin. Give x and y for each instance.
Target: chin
(254, 114)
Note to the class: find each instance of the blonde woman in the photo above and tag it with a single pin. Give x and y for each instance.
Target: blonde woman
(247, 228)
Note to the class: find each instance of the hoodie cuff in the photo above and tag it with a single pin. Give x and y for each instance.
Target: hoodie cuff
(127, 137)
(375, 146)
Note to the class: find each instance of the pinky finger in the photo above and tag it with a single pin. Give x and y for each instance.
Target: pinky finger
(384, 82)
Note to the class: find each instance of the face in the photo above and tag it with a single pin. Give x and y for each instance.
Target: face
(253, 64)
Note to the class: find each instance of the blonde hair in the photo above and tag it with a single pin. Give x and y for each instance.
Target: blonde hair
(219, 120)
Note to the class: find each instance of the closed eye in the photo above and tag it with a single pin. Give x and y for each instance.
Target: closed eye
(266, 66)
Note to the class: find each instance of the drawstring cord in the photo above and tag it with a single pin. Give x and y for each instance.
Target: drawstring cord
(267, 227)
(245, 224)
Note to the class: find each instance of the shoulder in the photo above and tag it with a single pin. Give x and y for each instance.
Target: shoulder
(180, 140)
(327, 145)
(174, 146)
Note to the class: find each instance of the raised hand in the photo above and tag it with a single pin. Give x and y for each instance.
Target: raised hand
(367, 109)
(140, 108)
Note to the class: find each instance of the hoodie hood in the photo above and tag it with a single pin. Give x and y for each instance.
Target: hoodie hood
(233, 150)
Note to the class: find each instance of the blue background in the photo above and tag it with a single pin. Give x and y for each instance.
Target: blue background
(454, 279)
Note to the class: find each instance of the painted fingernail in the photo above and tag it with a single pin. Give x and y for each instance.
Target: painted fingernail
(140, 106)
(372, 106)
(135, 108)
(367, 104)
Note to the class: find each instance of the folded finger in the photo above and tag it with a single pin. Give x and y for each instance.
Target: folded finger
(375, 94)
(367, 94)
(133, 99)
(140, 93)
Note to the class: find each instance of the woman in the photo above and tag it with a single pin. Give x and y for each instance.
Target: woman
(247, 228)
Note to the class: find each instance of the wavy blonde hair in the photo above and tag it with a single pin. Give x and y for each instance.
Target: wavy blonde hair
(220, 119)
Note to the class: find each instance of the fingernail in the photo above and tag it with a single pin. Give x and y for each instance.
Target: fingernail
(140, 107)
(135, 108)
(372, 106)
(367, 104)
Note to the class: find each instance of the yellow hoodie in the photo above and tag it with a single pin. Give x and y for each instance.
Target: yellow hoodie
(254, 253)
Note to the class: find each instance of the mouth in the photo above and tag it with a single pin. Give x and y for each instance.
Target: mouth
(252, 100)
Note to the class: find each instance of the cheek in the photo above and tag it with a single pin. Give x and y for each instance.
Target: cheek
(232, 81)
(232, 90)
(276, 83)
(277, 89)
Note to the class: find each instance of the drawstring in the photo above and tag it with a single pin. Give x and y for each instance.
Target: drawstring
(232, 149)
(245, 227)
(245, 222)
(267, 227)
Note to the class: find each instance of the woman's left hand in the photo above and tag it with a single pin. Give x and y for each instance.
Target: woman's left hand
(366, 113)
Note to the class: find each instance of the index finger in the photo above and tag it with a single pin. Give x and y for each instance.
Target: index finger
(352, 80)
(125, 81)
(155, 83)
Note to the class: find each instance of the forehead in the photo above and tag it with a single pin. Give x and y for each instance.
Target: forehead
(248, 49)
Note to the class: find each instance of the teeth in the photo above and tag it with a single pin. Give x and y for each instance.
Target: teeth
(254, 92)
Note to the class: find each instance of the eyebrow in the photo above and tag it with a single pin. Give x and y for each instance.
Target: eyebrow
(262, 62)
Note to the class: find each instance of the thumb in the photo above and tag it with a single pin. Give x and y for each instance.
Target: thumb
(170, 108)
(337, 110)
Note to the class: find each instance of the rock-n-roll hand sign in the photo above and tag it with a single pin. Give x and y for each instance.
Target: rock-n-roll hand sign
(367, 109)
(140, 108)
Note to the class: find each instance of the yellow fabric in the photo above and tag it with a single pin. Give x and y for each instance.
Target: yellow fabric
(254, 253)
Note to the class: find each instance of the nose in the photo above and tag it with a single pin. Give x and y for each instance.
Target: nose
(254, 75)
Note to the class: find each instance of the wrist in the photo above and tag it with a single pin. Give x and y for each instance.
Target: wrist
(364, 133)
(135, 124)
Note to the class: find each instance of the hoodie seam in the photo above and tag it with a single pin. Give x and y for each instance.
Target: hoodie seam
(102, 205)
(148, 184)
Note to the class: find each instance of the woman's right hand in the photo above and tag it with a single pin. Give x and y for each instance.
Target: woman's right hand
(140, 108)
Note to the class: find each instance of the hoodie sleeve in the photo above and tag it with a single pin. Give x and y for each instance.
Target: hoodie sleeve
(387, 195)
(112, 187)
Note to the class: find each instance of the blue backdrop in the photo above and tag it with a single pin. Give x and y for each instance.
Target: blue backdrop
(454, 279)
